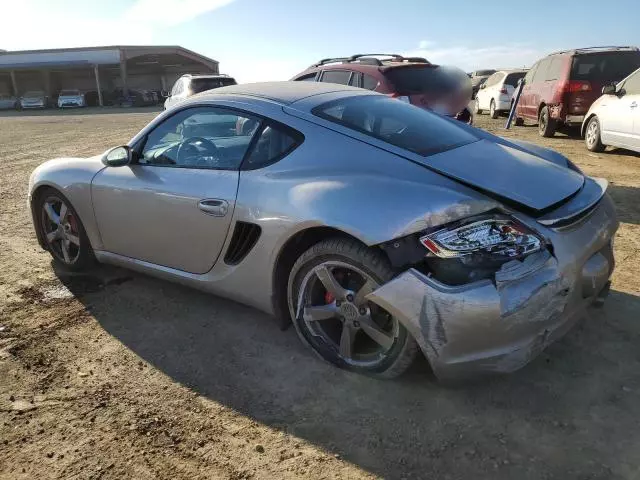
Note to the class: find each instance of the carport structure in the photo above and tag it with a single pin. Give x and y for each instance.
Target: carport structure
(99, 69)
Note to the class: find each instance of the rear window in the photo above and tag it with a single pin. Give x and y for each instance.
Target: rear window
(604, 66)
(203, 84)
(512, 78)
(424, 78)
(397, 123)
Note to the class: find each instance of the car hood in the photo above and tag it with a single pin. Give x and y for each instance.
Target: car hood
(509, 173)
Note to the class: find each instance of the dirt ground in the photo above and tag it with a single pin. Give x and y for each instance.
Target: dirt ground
(117, 375)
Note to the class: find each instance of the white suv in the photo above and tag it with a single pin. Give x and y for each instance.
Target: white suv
(614, 118)
(495, 94)
(188, 85)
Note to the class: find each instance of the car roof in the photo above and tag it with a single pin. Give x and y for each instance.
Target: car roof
(205, 75)
(285, 93)
(588, 50)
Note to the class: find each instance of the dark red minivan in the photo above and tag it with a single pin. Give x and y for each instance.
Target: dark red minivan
(443, 89)
(560, 88)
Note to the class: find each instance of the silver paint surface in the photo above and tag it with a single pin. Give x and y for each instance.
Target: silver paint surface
(370, 190)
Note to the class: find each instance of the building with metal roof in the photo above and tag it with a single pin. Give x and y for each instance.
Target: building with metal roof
(99, 69)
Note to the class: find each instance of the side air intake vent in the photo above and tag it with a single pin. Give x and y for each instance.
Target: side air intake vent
(245, 236)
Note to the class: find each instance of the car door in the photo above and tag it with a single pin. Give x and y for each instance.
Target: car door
(526, 103)
(619, 114)
(489, 90)
(173, 205)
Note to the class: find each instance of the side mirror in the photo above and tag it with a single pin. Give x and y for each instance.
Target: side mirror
(484, 85)
(117, 157)
(609, 90)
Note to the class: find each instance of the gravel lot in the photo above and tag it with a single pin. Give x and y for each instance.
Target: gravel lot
(118, 375)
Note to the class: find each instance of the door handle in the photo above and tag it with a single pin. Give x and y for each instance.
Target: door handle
(214, 206)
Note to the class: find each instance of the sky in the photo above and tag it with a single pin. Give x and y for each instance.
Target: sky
(259, 40)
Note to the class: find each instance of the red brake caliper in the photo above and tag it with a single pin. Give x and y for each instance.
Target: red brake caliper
(329, 298)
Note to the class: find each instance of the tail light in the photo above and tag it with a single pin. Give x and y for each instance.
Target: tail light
(497, 237)
(402, 98)
(575, 86)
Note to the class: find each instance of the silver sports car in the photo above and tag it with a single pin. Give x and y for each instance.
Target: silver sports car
(379, 229)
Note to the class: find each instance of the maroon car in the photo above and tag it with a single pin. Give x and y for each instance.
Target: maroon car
(446, 90)
(560, 88)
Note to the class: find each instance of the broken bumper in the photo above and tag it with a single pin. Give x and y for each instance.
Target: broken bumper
(499, 326)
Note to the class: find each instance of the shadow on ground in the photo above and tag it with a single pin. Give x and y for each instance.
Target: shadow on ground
(557, 418)
(627, 201)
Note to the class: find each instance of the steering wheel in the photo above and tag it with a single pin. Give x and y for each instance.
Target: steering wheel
(189, 148)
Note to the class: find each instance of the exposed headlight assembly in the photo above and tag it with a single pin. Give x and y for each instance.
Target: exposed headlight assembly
(502, 238)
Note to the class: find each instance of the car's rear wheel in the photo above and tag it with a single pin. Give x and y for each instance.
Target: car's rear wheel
(326, 296)
(63, 231)
(546, 125)
(492, 109)
(592, 136)
(477, 109)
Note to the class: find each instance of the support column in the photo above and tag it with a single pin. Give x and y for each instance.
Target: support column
(97, 75)
(46, 75)
(14, 83)
(163, 82)
(123, 76)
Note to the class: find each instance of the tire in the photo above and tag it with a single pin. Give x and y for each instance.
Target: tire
(546, 125)
(345, 255)
(592, 137)
(492, 110)
(79, 257)
(477, 109)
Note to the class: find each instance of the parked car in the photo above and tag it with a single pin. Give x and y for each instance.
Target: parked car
(446, 90)
(92, 100)
(34, 99)
(614, 118)
(71, 98)
(496, 92)
(560, 88)
(478, 78)
(134, 98)
(370, 224)
(188, 85)
(8, 101)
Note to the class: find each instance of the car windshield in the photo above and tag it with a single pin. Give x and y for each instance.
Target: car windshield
(203, 84)
(513, 78)
(69, 93)
(417, 79)
(604, 67)
(397, 123)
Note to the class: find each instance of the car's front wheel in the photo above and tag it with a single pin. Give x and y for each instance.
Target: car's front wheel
(592, 136)
(326, 296)
(62, 230)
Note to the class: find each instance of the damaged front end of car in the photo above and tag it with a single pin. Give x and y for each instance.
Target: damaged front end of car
(488, 294)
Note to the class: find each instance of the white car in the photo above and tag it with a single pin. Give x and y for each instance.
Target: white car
(71, 98)
(495, 94)
(188, 85)
(34, 99)
(614, 118)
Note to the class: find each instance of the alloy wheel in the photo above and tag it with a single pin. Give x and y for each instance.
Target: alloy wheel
(333, 306)
(60, 228)
(592, 133)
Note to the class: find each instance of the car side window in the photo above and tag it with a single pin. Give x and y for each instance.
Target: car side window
(177, 88)
(369, 82)
(632, 85)
(274, 142)
(528, 78)
(555, 68)
(494, 79)
(336, 76)
(200, 137)
(307, 78)
(541, 72)
(355, 79)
